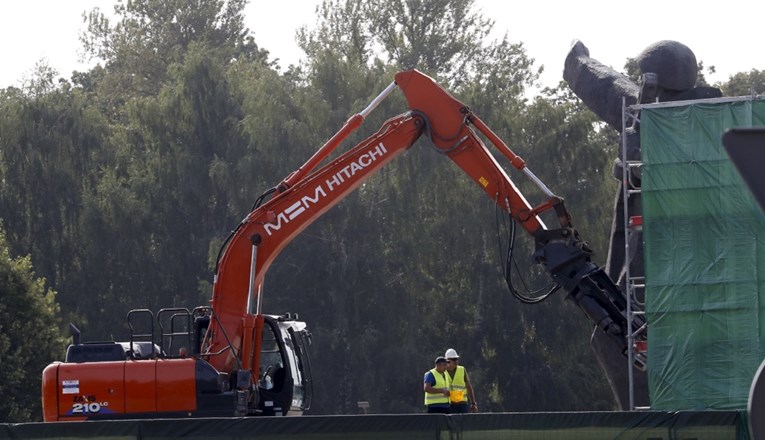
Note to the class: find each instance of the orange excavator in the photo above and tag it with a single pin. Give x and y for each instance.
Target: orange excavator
(236, 361)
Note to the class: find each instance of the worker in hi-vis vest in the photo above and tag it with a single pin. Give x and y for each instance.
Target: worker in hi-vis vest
(436, 388)
(459, 385)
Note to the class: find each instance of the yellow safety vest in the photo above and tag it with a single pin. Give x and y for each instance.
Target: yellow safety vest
(442, 381)
(458, 388)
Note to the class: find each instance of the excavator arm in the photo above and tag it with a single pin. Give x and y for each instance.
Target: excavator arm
(563, 254)
(309, 192)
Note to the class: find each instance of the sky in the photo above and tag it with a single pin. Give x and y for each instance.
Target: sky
(34, 30)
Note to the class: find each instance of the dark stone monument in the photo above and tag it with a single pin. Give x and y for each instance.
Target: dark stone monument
(668, 73)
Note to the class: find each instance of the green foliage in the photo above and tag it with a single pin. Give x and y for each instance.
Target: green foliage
(744, 83)
(30, 337)
(152, 35)
(446, 39)
(51, 149)
(442, 37)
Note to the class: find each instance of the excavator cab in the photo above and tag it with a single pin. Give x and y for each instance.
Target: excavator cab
(284, 379)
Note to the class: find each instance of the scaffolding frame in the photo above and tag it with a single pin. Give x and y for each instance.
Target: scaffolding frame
(632, 224)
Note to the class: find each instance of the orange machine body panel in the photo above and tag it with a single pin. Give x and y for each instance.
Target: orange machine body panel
(176, 385)
(50, 392)
(140, 386)
(90, 389)
(107, 389)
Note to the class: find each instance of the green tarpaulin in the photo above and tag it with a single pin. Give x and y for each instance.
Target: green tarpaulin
(704, 252)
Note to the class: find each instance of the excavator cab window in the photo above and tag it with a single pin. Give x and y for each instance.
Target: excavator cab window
(303, 382)
(200, 322)
(175, 331)
(270, 360)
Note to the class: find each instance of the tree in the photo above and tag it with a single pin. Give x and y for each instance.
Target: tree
(744, 83)
(151, 35)
(30, 337)
(173, 87)
(446, 39)
(442, 37)
(51, 149)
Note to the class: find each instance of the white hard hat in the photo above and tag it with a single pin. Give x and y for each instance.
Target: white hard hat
(451, 354)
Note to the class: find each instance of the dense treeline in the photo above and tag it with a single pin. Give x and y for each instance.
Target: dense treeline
(120, 184)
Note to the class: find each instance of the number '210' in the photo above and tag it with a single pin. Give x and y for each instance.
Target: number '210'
(87, 408)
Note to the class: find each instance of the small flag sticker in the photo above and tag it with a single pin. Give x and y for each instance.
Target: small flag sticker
(71, 387)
